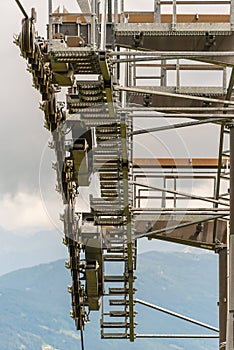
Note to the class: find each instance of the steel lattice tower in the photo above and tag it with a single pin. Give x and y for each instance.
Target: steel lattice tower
(115, 65)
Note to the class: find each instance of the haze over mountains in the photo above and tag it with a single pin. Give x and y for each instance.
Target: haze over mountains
(24, 251)
(35, 305)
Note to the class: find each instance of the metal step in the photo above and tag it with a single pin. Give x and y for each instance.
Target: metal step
(119, 240)
(91, 98)
(114, 335)
(114, 278)
(108, 211)
(109, 194)
(113, 143)
(106, 137)
(93, 121)
(118, 302)
(105, 201)
(106, 152)
(110, 221)
(109, 185)
(110, 159)
(106, 206)
(118, 314)
(106, 167)
(87, 84)
(114, 258)
(118, 291)
(114, 325)
(117, 249)
(109, 177)
(107, 129)
(96, 113)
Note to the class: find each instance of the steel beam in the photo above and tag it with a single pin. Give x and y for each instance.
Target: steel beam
(221, 143)
(22, 8)
(103, 26)
(176, 54)
(169, 94)
(176, 336)
(175, 126)
(177, 315)
(210, 116)
(127, 213)
(222, 295)
(152, 234)
(136, 108)
(230, 325)
(175, 163)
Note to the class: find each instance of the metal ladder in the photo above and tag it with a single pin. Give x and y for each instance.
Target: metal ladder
(109, 212)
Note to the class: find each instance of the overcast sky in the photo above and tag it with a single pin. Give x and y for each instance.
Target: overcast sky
(24, 155)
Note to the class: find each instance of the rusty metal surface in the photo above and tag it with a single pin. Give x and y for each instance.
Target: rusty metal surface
(148, 17)
(193, 235)
(177, 162)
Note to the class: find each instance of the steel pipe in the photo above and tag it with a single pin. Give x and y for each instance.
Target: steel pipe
(177, 315)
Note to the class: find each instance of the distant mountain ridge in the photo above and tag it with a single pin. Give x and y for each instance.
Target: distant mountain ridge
(23, 251)
(35, 305)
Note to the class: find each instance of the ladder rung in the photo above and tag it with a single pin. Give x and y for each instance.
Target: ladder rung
(114, 335)
(114, 325)
(118, 314)
(110, 144)
(109, 221)
(108, 211)
(105, 204)
(118, 291)
(118, 302)
(120, 249)
(112, 242)
(114, 278)
(114, 258)
(109, 185)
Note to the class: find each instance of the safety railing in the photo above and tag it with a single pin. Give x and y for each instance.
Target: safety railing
(172, 11)
(174, 74)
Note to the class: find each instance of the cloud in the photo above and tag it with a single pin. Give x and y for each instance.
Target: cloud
(26, 212)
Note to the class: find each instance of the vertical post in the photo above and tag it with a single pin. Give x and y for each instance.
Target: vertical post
(230, 325)
(93, 24)
(122, 11)
(109, 11)
(50, 32)
(130, 74)
(177, 75)
(224, 80)
(127, 214)
(127, 76)
(174, 181)
(173, 27)
(116, 20)
(163, 73)
(164, 193)
(103, 26)
(222, 297)
(157, 11)
(232, 14)
(98, 9)
(134, 72)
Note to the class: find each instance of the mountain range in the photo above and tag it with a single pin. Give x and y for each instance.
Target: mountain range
(35, 305)
(19, 251)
